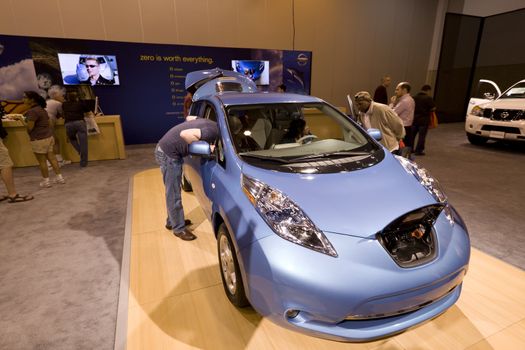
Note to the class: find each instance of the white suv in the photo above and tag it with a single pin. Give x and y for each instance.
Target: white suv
(497, 116)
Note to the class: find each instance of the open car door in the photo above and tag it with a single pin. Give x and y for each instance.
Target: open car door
(486, 91)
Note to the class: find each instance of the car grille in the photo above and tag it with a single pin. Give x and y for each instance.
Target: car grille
(504, 114)
(505, 129)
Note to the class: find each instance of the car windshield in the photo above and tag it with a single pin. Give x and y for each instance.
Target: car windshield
(288, 133)
(517, 91)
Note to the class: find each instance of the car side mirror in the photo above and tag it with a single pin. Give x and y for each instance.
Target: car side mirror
(200, 148)
(375, 133)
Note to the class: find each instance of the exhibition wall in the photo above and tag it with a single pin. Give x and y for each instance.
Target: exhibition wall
(353, 43)
(144, 83)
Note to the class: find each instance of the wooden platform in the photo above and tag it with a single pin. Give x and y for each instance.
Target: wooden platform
(176, 299)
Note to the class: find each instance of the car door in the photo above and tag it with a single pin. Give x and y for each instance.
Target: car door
(486, 91)
(199, 170)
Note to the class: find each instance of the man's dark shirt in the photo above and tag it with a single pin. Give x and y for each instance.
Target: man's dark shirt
(380, 95)
(74, 110)
(100, 81)
(175, 147)
(424, 105)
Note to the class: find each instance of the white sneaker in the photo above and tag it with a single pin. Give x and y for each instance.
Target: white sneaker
(64, 162)
(45, 183)
(59, 180)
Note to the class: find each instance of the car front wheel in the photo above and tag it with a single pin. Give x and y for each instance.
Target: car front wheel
(476, 140)
(230, 272)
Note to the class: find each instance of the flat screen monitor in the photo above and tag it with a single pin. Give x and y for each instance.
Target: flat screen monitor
(90, 69)
(257, 70)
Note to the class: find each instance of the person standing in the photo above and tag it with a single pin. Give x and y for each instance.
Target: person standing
(41, 136)
(75, 124)
(6, 173)
(424, 105)
(381, 95)
(188, 100)
(403, 104)
(169, 154)
(379, 116)
(54, 111)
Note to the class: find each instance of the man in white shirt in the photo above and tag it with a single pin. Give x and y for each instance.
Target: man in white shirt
(403, 104)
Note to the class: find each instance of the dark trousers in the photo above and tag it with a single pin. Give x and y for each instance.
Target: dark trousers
(76, 132)
(422, 131)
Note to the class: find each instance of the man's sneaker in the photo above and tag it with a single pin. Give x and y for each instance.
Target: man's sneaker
(45, 183)
(59, 180)
(64, 162)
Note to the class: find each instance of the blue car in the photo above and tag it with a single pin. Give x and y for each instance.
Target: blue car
(319, 228)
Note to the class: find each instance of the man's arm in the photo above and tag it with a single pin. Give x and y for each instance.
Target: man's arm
(190, 135)
(395, 123)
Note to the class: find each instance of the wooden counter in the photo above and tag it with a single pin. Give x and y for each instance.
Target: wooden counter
(109, 144)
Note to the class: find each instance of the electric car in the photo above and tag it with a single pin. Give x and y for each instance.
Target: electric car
(323, 230)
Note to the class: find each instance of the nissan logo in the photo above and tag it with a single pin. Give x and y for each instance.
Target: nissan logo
(504, 115)
(302, 59)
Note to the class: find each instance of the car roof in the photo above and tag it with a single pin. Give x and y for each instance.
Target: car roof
(248, 98)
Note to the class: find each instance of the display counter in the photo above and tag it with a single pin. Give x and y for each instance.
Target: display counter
(109, 144)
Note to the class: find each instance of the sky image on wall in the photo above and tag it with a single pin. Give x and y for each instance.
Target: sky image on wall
(143, 83)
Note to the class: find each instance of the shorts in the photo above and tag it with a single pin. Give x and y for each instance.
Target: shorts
(5, 159)
(43, 146)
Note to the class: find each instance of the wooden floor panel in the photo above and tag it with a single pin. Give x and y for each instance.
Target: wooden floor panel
(176, 298)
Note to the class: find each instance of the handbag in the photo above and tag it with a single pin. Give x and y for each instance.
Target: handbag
(433, 120)
(91, 124)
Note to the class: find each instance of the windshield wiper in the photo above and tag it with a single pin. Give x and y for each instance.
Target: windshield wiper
(330, 155)
(258, 156)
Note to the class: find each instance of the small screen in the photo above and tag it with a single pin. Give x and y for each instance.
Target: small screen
(77, 69)
(256, 70)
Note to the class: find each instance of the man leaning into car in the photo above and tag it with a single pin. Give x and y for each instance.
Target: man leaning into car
(380, 116)
(169, 153)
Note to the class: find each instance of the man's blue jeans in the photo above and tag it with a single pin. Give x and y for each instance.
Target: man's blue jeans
(77, 134)
(172, 176)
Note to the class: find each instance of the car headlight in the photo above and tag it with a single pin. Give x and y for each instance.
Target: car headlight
(285, 217)
(477, 111)
(424, 178)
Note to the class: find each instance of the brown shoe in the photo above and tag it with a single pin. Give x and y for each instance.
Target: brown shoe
(185, 235)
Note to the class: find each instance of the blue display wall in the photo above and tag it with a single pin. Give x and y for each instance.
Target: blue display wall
(149, 89)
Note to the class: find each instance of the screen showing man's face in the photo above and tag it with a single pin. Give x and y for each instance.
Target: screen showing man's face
(92, 68)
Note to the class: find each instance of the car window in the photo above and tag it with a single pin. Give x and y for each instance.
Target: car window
(210, 113)
(197, 108)
(485, 90)
(293, 130)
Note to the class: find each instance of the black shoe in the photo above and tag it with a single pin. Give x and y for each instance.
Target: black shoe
(187, 222)
(185, 235)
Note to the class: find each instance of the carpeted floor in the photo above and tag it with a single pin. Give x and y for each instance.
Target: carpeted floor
(60, 254)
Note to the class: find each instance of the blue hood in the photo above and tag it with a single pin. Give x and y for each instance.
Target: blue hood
(357, 203)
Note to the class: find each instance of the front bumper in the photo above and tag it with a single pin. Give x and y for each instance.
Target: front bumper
(335, 296)
(513, 130)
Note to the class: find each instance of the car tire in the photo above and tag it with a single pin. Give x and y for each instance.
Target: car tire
(186, 185)
(230, 272)
(476, 140)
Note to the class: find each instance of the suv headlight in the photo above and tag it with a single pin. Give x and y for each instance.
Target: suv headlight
(285, 217)
(423, 176)
(477, 111)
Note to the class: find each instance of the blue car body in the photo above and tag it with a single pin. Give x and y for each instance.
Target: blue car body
(390, 252)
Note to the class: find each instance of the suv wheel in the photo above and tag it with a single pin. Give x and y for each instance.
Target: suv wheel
(476, 140)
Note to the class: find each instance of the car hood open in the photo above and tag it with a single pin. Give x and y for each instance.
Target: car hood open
(358, 203)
